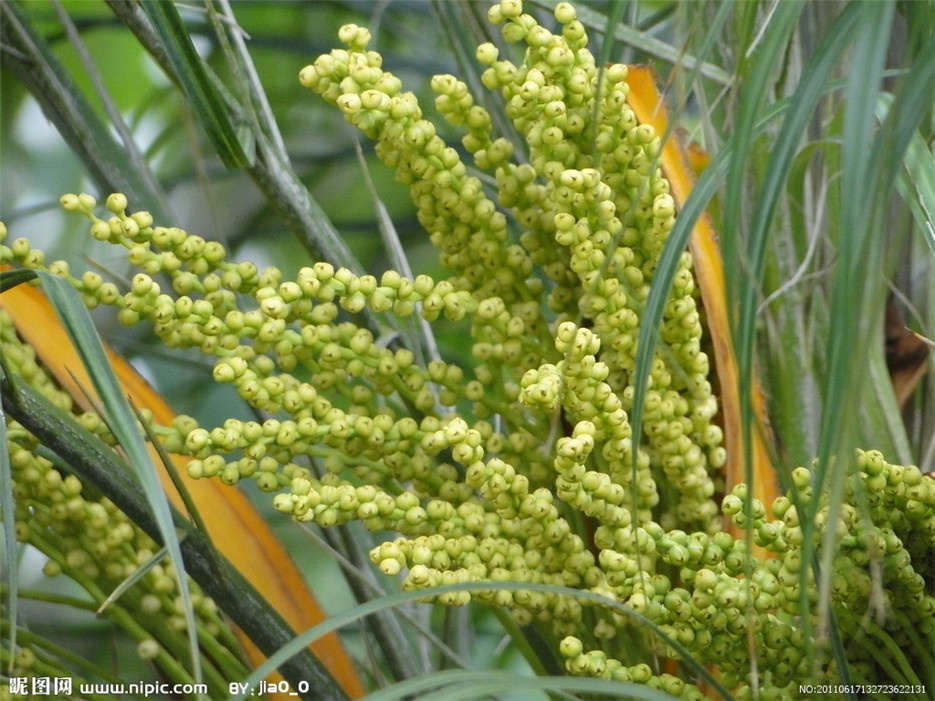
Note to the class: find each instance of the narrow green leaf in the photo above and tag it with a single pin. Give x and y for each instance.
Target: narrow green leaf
(133, 159)
(701, 195)
(358, 612)
(917, 188)
(881, 416)
(856, 300)
(703, 192)
(270, 169)
(613, 20)
(250, 95)
(137, 575)
(894, 658)
(12, 278)
(79, 663)
(468, 685)
(742, 283)
(748, 267)
(199, 90)
(10, 558)
(191, 509)
(911, 107)
(122, 421)
(857, 271)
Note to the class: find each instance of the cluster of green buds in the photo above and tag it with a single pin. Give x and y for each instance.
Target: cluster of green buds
(716, 594)
(592, 211)
(87, 539)
(522, 466)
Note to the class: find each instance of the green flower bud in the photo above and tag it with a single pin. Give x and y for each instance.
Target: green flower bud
(116, 203)
(148, 649)
(565, 13)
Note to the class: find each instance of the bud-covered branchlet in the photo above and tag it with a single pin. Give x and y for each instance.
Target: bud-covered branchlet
(518, 463)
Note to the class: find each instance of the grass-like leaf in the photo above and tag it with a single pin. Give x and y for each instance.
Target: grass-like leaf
(10, 556)
(748, 266)
(137, 575)
(136, 162)
(868, 179)
(917, 187)
(358, 612)
(200, 92)
(741, 281)
(857, 276)
(46, 647)
(123, 424)
(469, 685)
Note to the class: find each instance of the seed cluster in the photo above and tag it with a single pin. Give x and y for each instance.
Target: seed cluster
(519, 466)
